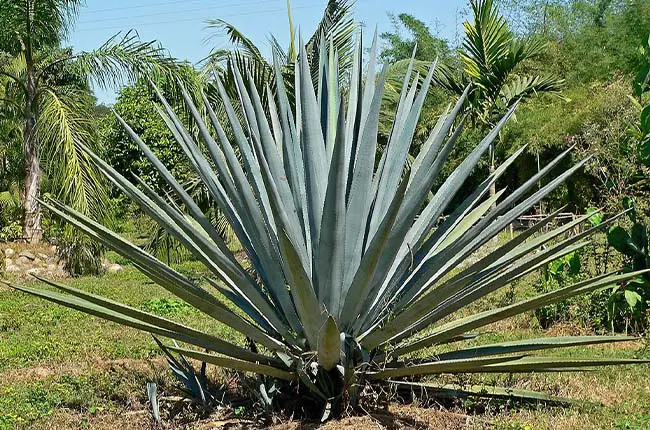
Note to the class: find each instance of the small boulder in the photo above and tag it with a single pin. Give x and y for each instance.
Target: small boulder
(113, 268)
(43, 257)
(12, 268)
(34, 271)
(22, 260)
(9, 252)
(27, 255)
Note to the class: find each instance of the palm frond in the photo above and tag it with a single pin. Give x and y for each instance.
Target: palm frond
(239, 41)
(40, 23)
(125, 58)
(521, 87)
(63, 126)
(337, 25)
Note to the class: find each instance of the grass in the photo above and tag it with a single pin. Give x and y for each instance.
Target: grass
(60, 368)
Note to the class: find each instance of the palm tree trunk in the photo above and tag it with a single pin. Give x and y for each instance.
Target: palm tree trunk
(32, 229)
(32, 226)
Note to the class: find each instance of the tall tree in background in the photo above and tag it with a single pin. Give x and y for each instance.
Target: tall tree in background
(48, 90)
(398, 46)
(587, 39)
(411, 37)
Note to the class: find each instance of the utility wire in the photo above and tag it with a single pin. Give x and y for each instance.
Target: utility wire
(135, 25)
(144, 6)
(174, 12)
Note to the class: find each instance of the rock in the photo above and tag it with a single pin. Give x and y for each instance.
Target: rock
(8, 262)
(114, 268)
(12, 268)
(34, 271)
(27, 255)
(52, 260)
(22, 260)
(53, 249)
(51, 267)
(9, 252)
(43, 257)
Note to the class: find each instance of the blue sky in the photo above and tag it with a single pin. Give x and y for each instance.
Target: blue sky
(180, 24)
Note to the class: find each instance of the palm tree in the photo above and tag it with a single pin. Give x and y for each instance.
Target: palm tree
(47, 90)
(492, 58)
(337, 27)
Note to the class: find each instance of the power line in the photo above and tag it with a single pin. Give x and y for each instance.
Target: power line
(263, 12)
(144, 6)
(169, 12)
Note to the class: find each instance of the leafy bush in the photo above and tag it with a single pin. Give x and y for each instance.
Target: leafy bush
(558, 273)
(81, 255)
(630, 302)
(10, 216)
(354, 275)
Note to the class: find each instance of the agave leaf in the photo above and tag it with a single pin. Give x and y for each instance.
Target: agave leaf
(162, 274)
(353, 117)
(329, 344)
(472, 322)
(171, 330)
(205, 340)
(434, 141)
(330, 262)
(313, 149)
(433, 306)
(229, 363)
(224, 266)
(262, 251)
(456, 391)
(520, 269)
(302, 291)
(242, 304)
(532, 345)
(169, 178)
(433, 269)
(248, 159)
(268, 153)
(396, 153)
(358, 205)
(442, 366)
(333, 102)
(407, 259)
(554, 364)
(469, 220)
(275, 121)
(421, 227)
(444, 194)
(474, 291)
(358, 291)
